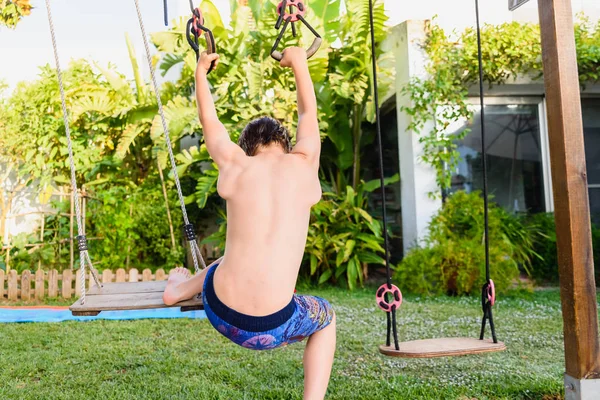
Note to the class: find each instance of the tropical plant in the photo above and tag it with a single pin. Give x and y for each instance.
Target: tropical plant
(452, 257)
(11, 11)
(343, 239)
(346, 96)
(248, 83)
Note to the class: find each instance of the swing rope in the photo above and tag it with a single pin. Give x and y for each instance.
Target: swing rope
(488, 295)
(84, 257)
(487, 292)
(188, 228)
(391, 313)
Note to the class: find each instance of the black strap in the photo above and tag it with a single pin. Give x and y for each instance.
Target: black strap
(166, 12)
(487, 305)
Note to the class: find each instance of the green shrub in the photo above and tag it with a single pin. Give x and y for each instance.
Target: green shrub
(133, 223)
(452, 257)
(545, 268)
(342, 239)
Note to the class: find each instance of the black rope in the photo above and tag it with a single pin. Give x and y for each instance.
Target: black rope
(486, 303)
(379, 148)
(483, 148)
(388, 340)
(394, 329)
(382, 180)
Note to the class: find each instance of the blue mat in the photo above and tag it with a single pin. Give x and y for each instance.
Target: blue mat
(59, 314)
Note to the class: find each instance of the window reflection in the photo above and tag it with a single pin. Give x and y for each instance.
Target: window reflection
(591, 132)
(514, 157)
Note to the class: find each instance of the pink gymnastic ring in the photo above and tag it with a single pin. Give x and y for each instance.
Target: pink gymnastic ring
(381, 297)
(491, 292)
(198, 20)
(300, 10)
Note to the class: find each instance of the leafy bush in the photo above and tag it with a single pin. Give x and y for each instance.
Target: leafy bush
(133, 223)
(545, 268)
(452, 258)
(343, 239)
(25, 255)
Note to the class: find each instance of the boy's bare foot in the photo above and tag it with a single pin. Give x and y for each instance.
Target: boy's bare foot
(172, 293)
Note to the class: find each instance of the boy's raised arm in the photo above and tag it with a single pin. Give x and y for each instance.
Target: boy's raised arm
(219, 145)
(308, 140)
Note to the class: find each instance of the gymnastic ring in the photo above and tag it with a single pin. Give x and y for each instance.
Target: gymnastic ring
(491, 292)
(309, 52)
(299, 5)
(381, 297)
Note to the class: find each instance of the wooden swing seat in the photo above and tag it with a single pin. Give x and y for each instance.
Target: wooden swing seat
(128, 296)
(442, 347)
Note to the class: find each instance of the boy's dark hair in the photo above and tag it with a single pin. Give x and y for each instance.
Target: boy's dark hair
(262, 132)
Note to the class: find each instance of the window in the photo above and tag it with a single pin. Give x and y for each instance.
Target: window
(590, 108)
(514, 156)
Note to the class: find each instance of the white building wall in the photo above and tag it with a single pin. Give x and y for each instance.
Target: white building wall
(417, 179)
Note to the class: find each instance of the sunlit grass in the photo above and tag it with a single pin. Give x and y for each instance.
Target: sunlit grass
(187, 359)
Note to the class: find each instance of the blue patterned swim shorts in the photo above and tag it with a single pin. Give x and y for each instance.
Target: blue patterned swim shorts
(302, 317)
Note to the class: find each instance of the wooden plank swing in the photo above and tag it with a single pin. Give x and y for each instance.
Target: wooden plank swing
(122, 295)
(128, 296)
(389, 297)
(442, 347)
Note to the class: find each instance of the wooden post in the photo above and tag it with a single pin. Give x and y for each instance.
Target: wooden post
(160, 275)
(134, 275)
(40, 286)
(12, 284)
(164, 190)
(146, 275)
(77, 282)
(107, 276)
(569, 181)
(67, 283)
(83, 203)
(8, 248)
(1, 284)
(7, 237)
(121, 275)
(129, 237)
(26, 285)
(52, 283)
(71, 230)
(41, 238)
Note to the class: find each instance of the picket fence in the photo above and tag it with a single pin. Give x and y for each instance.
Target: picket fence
(51, 284)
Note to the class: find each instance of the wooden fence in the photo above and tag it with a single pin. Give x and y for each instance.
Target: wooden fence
(52, 284)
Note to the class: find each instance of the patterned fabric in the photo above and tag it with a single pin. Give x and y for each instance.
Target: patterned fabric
(311, 315)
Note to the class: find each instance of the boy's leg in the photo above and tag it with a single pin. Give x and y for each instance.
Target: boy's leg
(318, 360)
(181, 287)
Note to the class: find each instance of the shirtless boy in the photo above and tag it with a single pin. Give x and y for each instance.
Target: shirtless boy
(269, 187)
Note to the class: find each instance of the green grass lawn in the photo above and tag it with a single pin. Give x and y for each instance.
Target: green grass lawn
(187, 359)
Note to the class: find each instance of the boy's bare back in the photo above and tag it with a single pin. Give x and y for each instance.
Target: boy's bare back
(269, 197)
